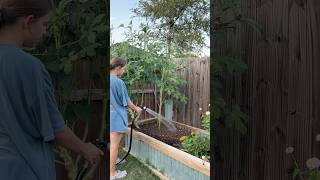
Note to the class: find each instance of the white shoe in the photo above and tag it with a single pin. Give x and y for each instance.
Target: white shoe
(118, 160)
(119, 175)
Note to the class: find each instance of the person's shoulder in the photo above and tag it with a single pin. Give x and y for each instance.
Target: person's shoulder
(120, 81)
(23, 59)
(32, 60)
(117, 80)
(17, 60)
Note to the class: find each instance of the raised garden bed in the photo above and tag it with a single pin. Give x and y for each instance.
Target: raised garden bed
(165, 156)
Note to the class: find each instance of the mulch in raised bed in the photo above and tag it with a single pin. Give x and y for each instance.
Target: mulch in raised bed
(171, 138)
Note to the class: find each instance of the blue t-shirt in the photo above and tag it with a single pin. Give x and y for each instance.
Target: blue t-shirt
(29, 117)
(119, 101)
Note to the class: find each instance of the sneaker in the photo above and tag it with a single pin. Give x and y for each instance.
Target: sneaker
(119, 175)
(118, 160)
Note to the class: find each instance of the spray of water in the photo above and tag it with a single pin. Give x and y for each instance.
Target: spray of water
(163, 120)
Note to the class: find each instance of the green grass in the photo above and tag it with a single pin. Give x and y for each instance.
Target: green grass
(135, 169)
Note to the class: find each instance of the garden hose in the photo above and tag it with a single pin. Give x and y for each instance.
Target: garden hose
(82, 171)
(102, 145)
(136, 117)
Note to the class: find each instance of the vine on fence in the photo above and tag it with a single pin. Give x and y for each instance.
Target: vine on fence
(77, 33)
(227, 17)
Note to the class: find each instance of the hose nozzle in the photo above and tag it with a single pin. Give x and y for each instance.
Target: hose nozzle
(144, 108)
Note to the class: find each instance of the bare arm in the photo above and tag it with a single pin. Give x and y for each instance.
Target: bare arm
(134, 107)
(68, 139)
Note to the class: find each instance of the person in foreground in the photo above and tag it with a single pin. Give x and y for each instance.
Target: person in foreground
(119, 103)
(30, 122)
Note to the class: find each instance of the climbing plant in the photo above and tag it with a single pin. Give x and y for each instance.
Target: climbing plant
(147, 62)
(227, 115)
(227, 16)
(77, 33)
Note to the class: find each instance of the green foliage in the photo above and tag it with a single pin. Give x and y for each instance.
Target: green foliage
(312, 172)
(229, 116)
(146, 62)
(196, 145)
(77, 32)
(181, 25)
(225, 66)
(228, 65)
(176, 30)
(171, 83)
(227, 15)
(206, 122)
(236, 119)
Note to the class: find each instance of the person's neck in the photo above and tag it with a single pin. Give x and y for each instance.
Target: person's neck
(114, 73)
(10, 36)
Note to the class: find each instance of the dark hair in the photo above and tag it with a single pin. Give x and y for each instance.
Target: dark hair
(11, 10)
(117, 62)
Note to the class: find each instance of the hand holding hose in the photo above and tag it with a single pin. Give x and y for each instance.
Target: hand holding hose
(138, 110)
(135, 108)
(91, 153)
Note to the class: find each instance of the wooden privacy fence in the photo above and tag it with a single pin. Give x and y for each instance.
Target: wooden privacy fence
(197, 90)
(280, 91)
(82, 72)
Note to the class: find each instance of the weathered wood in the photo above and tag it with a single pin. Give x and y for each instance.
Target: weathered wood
(197, 90)
(140, 91)
(95, 94)
(280, 91)
(82, 74)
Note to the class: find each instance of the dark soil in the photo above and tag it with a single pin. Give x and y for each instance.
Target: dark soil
(164, 135)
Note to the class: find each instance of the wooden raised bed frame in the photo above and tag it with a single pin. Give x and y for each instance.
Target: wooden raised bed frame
(187, 162)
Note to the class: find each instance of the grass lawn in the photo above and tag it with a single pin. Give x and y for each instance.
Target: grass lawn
(135, 169)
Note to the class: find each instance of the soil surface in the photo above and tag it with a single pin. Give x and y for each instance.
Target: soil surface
(164, 135)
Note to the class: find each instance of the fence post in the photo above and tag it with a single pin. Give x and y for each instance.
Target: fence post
(168, 107)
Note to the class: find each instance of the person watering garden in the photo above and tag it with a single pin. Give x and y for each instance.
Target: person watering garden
(30, 122)
(119, 103)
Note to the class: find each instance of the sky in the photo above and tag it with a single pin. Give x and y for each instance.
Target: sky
(121, 13)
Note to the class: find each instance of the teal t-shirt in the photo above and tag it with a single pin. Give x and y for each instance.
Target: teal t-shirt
(29, 117)
(119, 101)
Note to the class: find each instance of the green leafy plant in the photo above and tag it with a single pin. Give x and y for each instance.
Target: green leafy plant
(196, 145)
(206, 121)
(311, 173)
(147, 64)
(76, 34)
(226, 18)
(227, 115)
(312, 170)
(182, 25)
